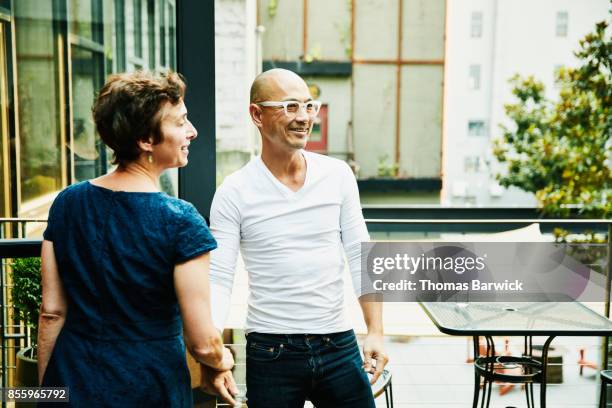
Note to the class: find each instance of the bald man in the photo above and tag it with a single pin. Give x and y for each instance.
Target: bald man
(292, 214)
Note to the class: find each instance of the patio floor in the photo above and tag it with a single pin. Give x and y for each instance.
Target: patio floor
(433, 372)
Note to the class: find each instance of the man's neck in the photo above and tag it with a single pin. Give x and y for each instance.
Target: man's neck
(288, 167)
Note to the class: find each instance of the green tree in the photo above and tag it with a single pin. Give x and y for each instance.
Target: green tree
(561, 150)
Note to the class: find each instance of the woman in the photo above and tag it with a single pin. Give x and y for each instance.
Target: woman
(123, 262)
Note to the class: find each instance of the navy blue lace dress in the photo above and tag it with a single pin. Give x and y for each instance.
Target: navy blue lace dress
(122, 345)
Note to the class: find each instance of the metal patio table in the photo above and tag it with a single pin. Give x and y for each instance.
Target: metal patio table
(526, 319)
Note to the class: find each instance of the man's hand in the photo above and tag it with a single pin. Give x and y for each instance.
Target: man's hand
(219, 383)
(374, 357)
(227, 362)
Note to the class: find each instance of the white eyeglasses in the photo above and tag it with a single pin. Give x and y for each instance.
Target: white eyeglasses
(291, 108)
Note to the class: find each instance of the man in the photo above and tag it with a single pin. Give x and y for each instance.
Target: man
(291, 213)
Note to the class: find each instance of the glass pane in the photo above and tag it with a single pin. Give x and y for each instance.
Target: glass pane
(120, 34)
(57, 144)
(80, 14)
(476, 25)
(375, 84)
(476, 128)
(162, 32)
(376, 29)
(282, 39)
(329, 29)
(137, 18)
(474, 82)
(40, 144)
(561, 26)
(421, 120)
(423, 29)
(89, 152)
(151, 32)
(4, 131)
(172, 36)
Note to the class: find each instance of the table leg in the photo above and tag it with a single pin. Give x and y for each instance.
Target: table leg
(476, 375)
(544, 365)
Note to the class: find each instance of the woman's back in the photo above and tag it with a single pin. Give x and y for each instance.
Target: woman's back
(116, 253)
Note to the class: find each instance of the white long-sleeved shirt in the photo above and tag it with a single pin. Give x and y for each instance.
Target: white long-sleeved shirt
(292, 244)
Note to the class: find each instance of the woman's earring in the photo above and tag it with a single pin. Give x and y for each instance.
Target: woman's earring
(151, 158)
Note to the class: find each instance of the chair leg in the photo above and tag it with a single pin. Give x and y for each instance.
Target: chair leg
(489, 393)
(527, 395)
(476, 389)
(386, 399)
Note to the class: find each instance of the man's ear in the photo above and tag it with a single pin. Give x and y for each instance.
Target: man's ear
(256, 112)
(145, 145)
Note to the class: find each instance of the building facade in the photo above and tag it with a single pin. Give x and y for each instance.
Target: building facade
(488, 42)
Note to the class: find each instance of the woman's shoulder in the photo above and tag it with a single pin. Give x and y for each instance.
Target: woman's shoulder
(71, 191)
(178, 209)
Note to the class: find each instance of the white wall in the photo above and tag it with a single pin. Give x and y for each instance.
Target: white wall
(236, 67)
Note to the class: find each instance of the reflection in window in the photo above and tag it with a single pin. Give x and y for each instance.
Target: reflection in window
(172, 36)
(562, 22)
(476, 128)
(120, 35)
(151, 32)
(162, 33)
(64, 49)
(89, 155)
(137, 13)
(476, 24)
(4, 129)
(80, 13)
(40, 144)
(474, 76)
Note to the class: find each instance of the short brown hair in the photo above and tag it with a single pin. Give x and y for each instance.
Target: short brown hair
(127, 109)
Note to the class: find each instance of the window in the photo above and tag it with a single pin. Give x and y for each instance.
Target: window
(474, 82)
(41, 136)
(120, 35)
(162, 32)
(474, 164)
(5, 204)
(151, 32)
(172, 37)
(476, 128)
(562, 21)
(476, 26)
(556, 72)
(471, 164)
(63, 51)
(137, 28)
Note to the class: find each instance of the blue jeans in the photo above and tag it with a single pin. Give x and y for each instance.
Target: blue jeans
(284, 370)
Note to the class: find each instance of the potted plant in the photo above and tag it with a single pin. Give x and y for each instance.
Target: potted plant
(26, 297)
